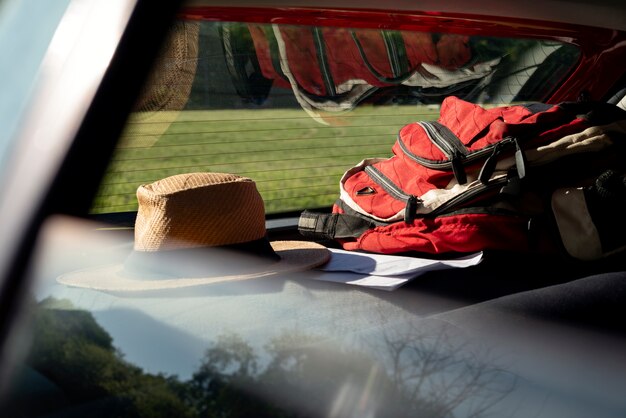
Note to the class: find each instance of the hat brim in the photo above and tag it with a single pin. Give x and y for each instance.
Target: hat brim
(294, 256)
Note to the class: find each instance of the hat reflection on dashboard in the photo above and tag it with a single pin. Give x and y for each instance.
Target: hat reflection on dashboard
(198, 229)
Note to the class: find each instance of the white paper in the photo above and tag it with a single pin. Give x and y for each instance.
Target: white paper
(387, 272)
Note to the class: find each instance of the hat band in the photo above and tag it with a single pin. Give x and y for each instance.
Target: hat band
(201, 262)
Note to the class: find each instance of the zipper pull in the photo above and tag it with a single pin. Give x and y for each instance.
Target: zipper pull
(520, 160)
(490, 163)
(457, 168)
(411, 209)
(514, 184)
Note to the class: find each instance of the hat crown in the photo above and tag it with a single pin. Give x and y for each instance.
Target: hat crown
(192, 212)
(198, 210)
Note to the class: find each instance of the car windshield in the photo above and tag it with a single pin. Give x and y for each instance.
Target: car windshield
(29, 43)
(293, 106)
(291, 99)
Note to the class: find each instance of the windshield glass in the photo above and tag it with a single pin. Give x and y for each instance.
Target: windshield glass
(26, 29)
(294, 106)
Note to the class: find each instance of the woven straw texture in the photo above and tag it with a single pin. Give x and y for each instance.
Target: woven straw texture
(172, 76)
(198, 210)
(168, 88)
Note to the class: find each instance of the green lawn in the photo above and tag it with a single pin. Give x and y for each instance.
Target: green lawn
(295, 161)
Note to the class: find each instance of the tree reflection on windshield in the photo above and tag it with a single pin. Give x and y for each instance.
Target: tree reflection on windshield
(416, 371)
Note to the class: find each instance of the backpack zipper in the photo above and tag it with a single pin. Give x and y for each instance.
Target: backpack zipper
(450, 145)
(393, 54)
(453, 149)
(490, 163)
(396, 192)
(468, 195)
(412, 201)
(399, 74)
(321, 56)
(443, 138)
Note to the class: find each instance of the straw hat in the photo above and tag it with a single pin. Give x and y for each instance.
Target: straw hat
(198, 229)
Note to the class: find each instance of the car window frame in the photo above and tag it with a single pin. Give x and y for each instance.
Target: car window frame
(92, 123)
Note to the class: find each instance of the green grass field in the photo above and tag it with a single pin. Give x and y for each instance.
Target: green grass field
(295, 161)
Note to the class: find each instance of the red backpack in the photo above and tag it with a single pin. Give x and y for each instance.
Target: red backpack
(321, 60)
(481, 178)
(334, 69)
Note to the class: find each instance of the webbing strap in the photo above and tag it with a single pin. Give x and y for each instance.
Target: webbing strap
(330, 226)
